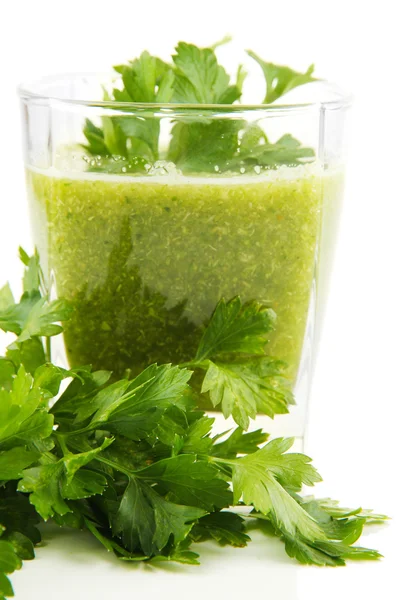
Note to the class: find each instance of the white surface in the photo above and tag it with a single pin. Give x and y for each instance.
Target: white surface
(357, 417)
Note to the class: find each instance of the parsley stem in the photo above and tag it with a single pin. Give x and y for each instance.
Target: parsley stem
(60, 438)
(102, 459)
(200, 364)
(115, 466)
(87, 429)
(224, 461)
(48, 355)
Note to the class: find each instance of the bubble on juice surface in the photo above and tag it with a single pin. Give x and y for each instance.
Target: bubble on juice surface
(163, 167)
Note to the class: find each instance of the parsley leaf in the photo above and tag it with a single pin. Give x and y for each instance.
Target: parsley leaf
(51, 484)
(243, 386)
(44, 485)
(340, 531)
(199, 79)
(17, 514)
(153, 390)
(279, 79)
(9, 562)
(247, 388)
(190, 481)
(95, 138)
(146, 521)
(14, 461)
(22, 417)
(285, 151)
(146, 79)
(203, 145)
(236, 328)
(224, 527)
(240, 442)
(263, 478)
(199, 146)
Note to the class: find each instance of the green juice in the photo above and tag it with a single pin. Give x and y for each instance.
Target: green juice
(144, 260)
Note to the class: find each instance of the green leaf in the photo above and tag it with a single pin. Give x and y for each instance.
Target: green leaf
(42, 318)
(197, 439)
(133, 408)
(224, 527)
(22, 418)
(30, 354)
(261, 479)
(7, 372)
(14, 461)
(50, 484)
(172, 520)
(190, 481)
(146, 79)
(280, 79)
(73, 462)
(9, 562)
(34, 316)
(23, 256)
(146, 521)
(245, 389)
(285, 151)
(14, 316)
(95, 137)
(234, 92)
(199, 78)
(335, 549)
(32, 274)
(48, 377)
(84, 484)
(17, 514)
(236, 328)
(240, 442)
(44, 484)
(142, 76)
(204, 146)
(77, 397)
(332, 508)
(23, 546)
(6, 297)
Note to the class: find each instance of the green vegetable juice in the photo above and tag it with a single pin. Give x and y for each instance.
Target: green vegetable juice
(144, 260)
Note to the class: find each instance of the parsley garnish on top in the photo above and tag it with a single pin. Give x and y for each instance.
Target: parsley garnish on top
(199, 142)
(135, 461)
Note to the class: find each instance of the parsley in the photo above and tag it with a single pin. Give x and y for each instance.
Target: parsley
(200, 143)
(136, 463)
(279, 79)
(239, 377)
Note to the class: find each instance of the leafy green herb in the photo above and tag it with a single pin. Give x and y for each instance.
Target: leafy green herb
(198, 143)
(9, 562)
(136, 463)
(340, 532)
(238, 377)
(199, 79)
(279, 79)
(226, 528)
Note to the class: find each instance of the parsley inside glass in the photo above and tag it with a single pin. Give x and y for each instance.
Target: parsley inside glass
(157, 193)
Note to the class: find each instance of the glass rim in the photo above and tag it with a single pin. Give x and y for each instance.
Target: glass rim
(31, 90)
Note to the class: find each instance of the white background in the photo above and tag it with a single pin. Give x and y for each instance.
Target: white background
(357, 417)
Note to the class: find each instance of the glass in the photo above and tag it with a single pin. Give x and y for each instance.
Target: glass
(144, 248)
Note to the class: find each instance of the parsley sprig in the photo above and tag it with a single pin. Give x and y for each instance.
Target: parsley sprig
(135, 461)
(211, 145)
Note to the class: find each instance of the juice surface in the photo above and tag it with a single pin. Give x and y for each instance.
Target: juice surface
(145, 260)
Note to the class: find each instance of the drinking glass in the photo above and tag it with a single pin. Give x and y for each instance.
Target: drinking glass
(145, 216)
